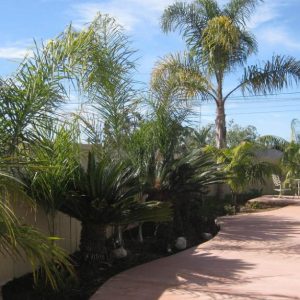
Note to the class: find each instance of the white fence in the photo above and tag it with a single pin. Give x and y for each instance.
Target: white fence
(68, 229)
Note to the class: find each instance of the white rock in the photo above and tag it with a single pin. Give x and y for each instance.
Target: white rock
(120, 252)
(180, 243)
(207, 236)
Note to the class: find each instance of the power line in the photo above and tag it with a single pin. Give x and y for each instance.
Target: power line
(265, 95)
(267, 101)
(285, 105)
(236, 97)
(254, 112)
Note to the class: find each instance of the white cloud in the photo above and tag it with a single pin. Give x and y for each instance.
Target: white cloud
(264, 13)
(13, 52)
(279, 36)
(87, 12)
(129, 13)
(156, 5)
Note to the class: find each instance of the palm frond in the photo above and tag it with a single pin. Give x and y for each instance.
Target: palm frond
(38, 88)
(189, 18)
(241, 10)
(224, 45)
(22, 241)
(108, 79)
(244, 166)
(180, 75)
(291, 160)
(273, 142)
(279, 73)
(57, 152)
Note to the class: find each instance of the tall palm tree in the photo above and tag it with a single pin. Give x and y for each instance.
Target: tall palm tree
(109, 84)
(218, 42)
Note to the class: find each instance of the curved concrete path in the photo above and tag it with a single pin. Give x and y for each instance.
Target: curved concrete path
(254, 256)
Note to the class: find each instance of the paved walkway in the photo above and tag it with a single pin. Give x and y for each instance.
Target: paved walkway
(255, 256)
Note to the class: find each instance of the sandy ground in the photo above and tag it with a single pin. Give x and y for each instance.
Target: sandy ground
(254, 256)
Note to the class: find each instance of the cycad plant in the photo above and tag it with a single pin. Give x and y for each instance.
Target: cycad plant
(106, 194)
(168, 170)
(218, 42)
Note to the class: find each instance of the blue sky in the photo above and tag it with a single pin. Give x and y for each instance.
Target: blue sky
(276, 25)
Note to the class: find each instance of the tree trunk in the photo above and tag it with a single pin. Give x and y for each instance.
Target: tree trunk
(93, 243)
(220, 125)
(140, 233)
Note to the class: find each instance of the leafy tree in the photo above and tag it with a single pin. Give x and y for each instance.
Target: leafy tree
(218, 43)
(237, 134)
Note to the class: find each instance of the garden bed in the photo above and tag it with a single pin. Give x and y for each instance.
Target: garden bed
(275, 201)
(90, 277)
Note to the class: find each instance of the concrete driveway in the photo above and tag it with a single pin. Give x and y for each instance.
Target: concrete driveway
(254, 256)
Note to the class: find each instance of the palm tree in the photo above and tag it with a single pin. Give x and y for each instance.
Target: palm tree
(54, 160)
(291, 161)
(218, 42)
(109, 84)
(29, 99)
(243, 165)
(32, 95)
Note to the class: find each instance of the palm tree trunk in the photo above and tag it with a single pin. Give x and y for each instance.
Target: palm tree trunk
(220, 125)
(93, 243)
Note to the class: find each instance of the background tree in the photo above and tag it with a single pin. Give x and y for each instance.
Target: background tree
(244, 166)
(237, 134)
(219, 42)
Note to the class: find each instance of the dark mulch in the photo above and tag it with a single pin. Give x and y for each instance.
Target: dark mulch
(90, 276)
